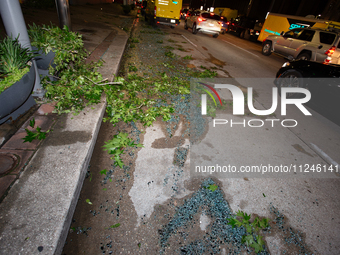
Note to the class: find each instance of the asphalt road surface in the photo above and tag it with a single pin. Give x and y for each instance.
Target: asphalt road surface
(163, 208)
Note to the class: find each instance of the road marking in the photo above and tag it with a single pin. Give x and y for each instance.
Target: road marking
(241, 48)
(189, 41)
(324, 155)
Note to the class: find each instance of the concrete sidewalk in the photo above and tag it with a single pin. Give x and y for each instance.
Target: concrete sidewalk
(44, 183)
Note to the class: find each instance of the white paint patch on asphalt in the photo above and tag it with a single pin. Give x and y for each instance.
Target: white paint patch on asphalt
(189, 41)
(156, 175)
(241, 48)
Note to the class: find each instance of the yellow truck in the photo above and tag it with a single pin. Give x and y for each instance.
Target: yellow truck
(276, 23)
(226, 12)
(165, 12)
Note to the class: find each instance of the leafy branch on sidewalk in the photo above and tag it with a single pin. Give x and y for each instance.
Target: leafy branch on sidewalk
(117, 145)
(33, 135)
(252, 238)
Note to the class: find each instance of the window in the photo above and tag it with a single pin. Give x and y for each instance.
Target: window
(292, 33)
(327, 38)
(207, 15)
(306, 35)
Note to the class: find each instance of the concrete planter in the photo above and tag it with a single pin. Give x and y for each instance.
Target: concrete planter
(16, 95)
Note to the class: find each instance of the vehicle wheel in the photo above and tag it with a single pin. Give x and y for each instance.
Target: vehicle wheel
(194, 29)
(267, 48)
(290, 79)
(304, 56)
(185, 26)
(215, 35)
(223, 32)
(242, 34)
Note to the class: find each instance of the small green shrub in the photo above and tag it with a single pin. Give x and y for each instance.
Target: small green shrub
(14, 62)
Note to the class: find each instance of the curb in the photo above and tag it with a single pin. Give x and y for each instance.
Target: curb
(36, 214)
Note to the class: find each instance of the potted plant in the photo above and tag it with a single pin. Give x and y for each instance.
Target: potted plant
(17, 76)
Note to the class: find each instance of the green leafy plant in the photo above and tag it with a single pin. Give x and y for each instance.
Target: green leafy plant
(33, 135)
(170, 54)
(115, 225)
(76, 83)
(134, 40)
(67, 45)
(117, 145)
(189, 57)
(212, 187)
(169, 47)
(252, 238)
(103, 172)
(132, 68)
(14, 62)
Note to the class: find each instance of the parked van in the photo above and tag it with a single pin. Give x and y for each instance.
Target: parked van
(165, 12)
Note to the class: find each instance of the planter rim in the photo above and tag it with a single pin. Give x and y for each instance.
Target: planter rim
(17, 94)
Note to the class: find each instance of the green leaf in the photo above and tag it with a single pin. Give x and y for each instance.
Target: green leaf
(212, 187)
(248, 239)
(32, 122)
(115, 225)
(244, 215)
(232, 222)
(88, 201)
(103, 171)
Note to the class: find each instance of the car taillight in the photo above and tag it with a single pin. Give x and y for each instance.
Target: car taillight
(155, 11)
(329, 55)
(330, 51)
(228, 23)
(219, 22)
(201, 19)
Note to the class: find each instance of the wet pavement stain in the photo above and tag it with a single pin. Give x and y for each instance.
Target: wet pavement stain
(300, 149)
(164, 142)
(216, 61)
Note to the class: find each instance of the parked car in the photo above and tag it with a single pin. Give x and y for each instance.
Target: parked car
(245, 27)
(204, 22)
(224, 24)
(302, 43)
(322, 80)
(333, 54)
